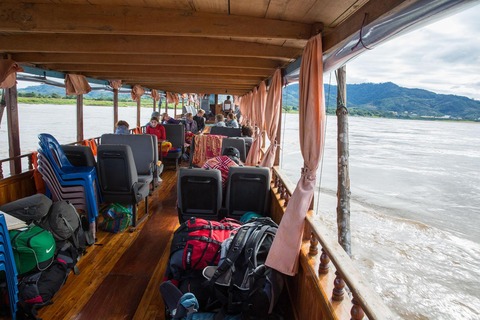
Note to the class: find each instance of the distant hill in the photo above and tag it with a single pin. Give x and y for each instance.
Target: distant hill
(366, 99)
(390, 100)
(49, 90)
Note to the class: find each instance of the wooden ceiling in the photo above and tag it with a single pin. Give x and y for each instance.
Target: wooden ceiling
(201, 46)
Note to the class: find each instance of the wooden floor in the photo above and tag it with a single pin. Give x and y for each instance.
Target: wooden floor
(120, 275)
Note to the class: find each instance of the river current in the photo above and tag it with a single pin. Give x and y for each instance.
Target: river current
(415, 199)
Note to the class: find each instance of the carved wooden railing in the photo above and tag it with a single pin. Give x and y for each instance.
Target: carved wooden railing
(18, 164)
(333, 271)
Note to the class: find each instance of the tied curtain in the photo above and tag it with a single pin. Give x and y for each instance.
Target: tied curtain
(115, 84)
(8, 73)
(272, 114)
(172, 98)
(257, 109)
(283, 255)
(137, 92)
(76, 84)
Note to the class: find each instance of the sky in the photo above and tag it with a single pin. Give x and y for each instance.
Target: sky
(443, 57)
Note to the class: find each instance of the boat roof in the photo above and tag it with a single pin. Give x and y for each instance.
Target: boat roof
(197, 46)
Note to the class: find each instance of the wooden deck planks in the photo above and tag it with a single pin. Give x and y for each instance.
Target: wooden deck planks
(121, 274)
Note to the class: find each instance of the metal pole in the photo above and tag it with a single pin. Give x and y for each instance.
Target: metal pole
(343, 185)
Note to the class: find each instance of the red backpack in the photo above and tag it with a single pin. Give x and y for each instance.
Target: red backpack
(196, 244)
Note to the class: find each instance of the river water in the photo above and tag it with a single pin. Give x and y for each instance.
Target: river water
(415, 203)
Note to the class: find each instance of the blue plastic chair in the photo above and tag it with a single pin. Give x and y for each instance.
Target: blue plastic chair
(69, 175)
(7, 264)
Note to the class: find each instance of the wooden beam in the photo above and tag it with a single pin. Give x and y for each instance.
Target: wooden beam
(178, 77)
(115, 108)
(146, 59)
(139, 69)
(142, 20)
(78, 43)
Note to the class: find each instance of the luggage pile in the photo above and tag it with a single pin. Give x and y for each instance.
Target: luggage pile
(46, 250)
(217, 271)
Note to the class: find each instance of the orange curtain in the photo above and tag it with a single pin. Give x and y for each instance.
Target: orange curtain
(258, 118)
(283, 255)
(115, 84)
(172, 98)
(137, 92)
(76, 84)
(37, 177)
(154, 94)
(8, 73)
(272, 115)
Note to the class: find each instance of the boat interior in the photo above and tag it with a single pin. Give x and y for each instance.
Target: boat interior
(219, 47)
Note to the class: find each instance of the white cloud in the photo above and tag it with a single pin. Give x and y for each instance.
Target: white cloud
(443, 57)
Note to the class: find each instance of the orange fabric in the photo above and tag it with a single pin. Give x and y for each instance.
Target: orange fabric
(115, 84)
(93, 145)
(283, 255)
(272, 115)
(137, 92)
(8, 73)
(154, 94)
(137, 130)
(37, 177)
(76, 84)
(258, 118)
(206, 147)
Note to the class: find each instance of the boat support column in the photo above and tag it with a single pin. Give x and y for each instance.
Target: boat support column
(343, 179)
(80, 117)
(115, 108)
(13, 130)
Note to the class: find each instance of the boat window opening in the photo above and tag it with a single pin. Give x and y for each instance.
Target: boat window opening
(320, 173)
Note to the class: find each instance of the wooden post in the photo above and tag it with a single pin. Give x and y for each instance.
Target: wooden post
(139, 103)
(343, 179)
(115, 108)
(154, 105)
(80, 117)
(175, 111)
(13, 130)
(166, 103)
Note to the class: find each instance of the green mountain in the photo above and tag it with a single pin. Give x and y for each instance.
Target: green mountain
(59, 92)
(390, 100)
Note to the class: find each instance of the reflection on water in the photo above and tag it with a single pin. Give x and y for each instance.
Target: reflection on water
(415, 210)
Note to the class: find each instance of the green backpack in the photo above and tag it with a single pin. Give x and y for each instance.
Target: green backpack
(33, 249)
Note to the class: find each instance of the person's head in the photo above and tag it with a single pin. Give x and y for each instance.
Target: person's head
(165, 116)
(230, 116)
(189, 116)
(155, 114)
(247, 131)
(122, 127)
(200, 112)
(219, 118)
(228, 97)
(153, 122)
(232, 153)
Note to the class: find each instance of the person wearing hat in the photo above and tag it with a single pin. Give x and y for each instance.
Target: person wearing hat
(230, 158)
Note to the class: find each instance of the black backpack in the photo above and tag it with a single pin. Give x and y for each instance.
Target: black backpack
(64, 222)
(37, 290)
(242, 282)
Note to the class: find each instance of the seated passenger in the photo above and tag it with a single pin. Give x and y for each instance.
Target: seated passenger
(230, 157)
(167, 119)
(156, 129)
(231, 121)
(190, 124)
(200, 120)
(219, 120)
(247, 131)
(122, 127)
